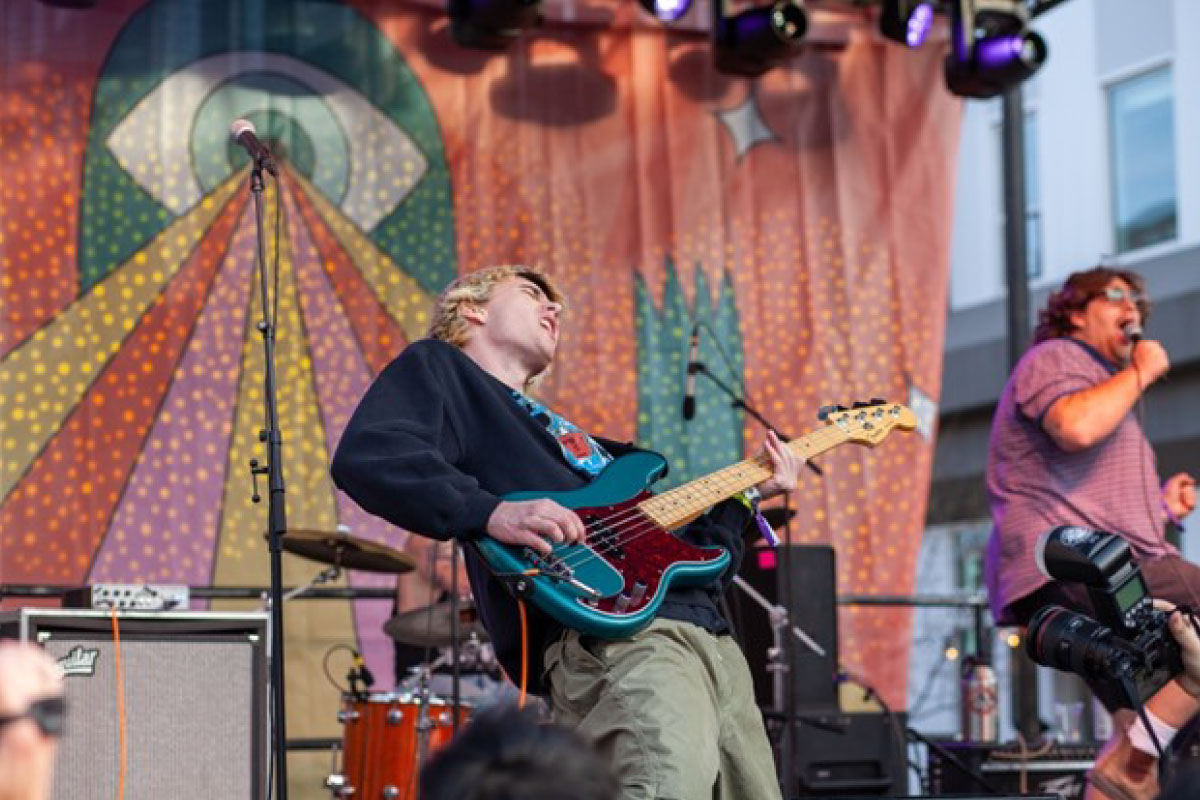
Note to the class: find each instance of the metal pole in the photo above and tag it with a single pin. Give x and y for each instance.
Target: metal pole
(276, 504)
(1024, 674)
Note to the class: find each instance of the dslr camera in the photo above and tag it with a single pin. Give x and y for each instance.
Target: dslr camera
(1126, 653)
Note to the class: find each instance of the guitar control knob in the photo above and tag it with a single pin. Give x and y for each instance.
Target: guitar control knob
(638, 592)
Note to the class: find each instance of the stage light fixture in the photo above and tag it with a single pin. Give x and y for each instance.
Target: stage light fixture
(757, 39)
(492, 24)
(906, 21)
(991, 49)
(667, 10)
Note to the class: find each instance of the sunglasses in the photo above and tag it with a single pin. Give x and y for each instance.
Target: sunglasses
(1114, 294)
(47, 714)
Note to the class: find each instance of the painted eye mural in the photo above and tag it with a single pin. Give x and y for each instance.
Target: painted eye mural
(133, 413)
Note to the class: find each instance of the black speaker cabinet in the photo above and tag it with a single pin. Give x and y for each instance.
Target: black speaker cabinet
(851, 755)
(813, 608)
(195, 690)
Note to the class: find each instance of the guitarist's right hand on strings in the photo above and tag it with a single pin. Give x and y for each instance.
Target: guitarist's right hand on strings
(535, 524)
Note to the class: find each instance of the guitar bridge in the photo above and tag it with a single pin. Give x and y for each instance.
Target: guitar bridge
(557, 570)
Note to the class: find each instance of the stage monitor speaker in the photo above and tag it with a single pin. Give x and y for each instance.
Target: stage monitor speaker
(813, 609)
(195, 688)
(852, 755)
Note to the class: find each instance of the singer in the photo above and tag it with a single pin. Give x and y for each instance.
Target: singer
(448, 429)
(1067, 449)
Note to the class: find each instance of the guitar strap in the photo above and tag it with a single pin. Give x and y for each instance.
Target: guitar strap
(582, 452)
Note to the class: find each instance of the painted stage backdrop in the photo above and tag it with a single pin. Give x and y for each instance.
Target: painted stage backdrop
(803, 218)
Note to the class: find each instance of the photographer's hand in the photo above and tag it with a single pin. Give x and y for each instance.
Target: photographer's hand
(1184, 631)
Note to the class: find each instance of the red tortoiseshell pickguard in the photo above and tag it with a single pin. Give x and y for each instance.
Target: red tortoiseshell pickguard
(643, 550)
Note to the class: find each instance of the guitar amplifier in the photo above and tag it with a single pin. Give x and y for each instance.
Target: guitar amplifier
(1056, 769)
(194, 688)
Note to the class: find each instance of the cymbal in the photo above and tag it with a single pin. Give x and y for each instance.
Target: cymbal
(430, 626)
(778, 517)
(338, 547)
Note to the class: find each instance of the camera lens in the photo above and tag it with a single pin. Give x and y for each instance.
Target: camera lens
(1071, 642)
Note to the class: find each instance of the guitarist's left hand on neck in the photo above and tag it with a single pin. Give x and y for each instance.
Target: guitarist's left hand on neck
(786, 465)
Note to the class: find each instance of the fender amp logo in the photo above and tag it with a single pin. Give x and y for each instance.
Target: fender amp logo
(79, 662)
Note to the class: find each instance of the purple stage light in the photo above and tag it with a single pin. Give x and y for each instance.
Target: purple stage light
(671, 10)
(1000, 51)
(666, 10)
(919, 24)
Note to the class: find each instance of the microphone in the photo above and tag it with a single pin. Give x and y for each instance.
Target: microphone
(1132, 331)
(693, 365)
(364, 674)
(242, 131)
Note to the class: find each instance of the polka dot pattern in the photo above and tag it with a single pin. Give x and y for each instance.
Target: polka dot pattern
(50, 372)
(394, 288)
(378, 335)
(73, 488)
(165, 530)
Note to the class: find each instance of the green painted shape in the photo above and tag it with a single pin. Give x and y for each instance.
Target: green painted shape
(117, 217)
(621, 480)
(713, 438)
(299, 127)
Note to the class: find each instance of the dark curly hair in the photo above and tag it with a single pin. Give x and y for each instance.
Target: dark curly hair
(506, 754)
(1054, 321)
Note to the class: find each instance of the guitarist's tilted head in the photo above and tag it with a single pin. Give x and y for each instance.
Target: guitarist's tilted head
(505, 318)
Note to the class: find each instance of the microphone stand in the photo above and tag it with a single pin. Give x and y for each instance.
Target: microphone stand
(276, 505)
(783, 645)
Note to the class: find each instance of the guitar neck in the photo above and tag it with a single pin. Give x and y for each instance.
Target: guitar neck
(683, 503)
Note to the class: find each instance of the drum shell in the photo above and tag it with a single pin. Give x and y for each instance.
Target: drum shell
(381, 743)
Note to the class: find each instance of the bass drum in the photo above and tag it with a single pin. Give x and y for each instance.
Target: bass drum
(385, 739)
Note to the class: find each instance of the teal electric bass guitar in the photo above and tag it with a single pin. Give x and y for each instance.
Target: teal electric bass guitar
(612, 584)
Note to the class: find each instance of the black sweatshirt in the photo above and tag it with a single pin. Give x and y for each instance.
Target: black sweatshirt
(434, 446)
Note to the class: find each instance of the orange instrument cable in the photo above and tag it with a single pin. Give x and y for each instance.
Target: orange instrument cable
(120, 703)
(524, 653)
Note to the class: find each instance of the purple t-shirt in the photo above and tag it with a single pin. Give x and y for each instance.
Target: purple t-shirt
(1034, 485)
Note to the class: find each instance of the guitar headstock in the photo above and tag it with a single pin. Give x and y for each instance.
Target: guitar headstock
(868, 423)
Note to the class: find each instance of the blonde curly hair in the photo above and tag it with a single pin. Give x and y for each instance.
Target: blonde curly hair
(475, 288)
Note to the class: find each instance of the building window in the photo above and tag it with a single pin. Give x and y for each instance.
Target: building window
(1142, 132)
(1033, 195)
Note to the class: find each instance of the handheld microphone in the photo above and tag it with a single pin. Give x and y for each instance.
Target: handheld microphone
(689, 384)
(242, 131)
(1132, 331)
